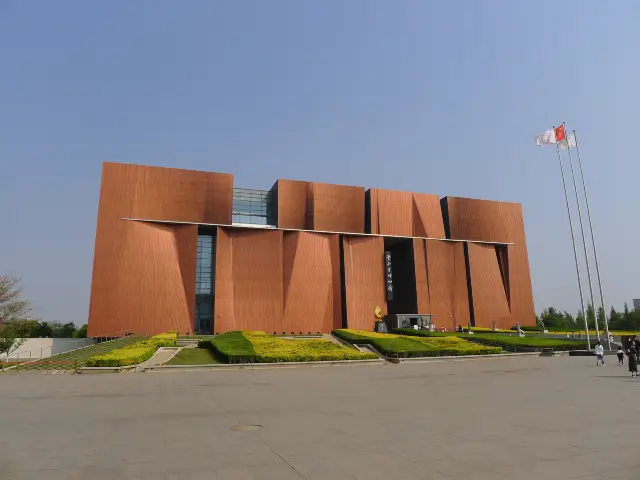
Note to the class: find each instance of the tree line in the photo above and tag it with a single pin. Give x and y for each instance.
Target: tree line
(16, 322)
(38, 329)
(625, 320)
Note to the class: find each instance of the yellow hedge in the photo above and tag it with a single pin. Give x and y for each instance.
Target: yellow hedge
(133, 354)
(270, 349)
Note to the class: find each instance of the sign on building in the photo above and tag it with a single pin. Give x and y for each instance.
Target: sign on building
(388, 275)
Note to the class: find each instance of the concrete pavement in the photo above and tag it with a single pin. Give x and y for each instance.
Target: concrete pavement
(522, 417)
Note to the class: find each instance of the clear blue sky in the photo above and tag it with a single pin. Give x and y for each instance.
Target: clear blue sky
(428, 96)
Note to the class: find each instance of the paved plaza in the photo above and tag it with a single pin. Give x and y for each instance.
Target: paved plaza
(515, 418)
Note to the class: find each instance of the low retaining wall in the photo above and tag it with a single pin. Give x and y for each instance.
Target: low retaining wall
(34, 348)
(223, 366)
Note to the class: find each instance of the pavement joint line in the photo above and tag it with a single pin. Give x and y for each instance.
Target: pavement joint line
(285, 461)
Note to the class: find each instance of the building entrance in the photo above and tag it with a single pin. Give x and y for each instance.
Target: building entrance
(403, 298)
(205, 282)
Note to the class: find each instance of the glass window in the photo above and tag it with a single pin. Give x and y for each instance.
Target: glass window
(251, 206)
(204, 265)
(205, 274)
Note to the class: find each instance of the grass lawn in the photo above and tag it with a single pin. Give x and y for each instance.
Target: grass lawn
(194, 356)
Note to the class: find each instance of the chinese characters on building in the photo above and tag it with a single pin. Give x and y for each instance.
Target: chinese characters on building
(388, 275)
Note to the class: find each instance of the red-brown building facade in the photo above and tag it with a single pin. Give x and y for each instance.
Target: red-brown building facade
(185, 250)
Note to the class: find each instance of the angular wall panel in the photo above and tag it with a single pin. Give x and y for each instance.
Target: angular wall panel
(157, 193)
(364, 280)
(292, 202)
(337, 208)
(144, 274)
(311, 266)
(145, 282)
(277, 281)
(320, 206)
(405, 214)
(256, 264)
(427, 216)
(490, 221)
(487, 287)
(422, 282)
(447, 280)
(395, 213)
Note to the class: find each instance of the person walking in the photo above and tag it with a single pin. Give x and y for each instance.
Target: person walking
(633, 360)
(620, 356)
(599, 354)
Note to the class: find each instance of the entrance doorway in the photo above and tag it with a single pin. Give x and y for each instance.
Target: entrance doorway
(405, 298)
(205, 282)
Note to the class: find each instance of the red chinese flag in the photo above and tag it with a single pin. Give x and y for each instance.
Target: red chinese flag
(560, 134)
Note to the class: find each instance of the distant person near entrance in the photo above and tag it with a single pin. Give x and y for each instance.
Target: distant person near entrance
(633, 359)
(599, 354)
(620, 356)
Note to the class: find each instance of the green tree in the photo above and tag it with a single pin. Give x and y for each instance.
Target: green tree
(626, 309)
(81, 332)
(59, 330)
(591, 316)
(616, 319)
(11, 306)
(44, 330)
(9, 339)
(14, 315)
(601, 318)
(26, 328)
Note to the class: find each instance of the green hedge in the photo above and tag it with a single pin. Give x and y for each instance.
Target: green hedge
(404, 347)
(134, 354)
(233, 347)
(390, 345)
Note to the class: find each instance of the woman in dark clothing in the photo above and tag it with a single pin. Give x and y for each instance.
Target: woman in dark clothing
(633, 360)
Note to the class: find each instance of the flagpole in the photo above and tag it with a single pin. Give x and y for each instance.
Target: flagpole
(573, 243)
(584, 241)
(593, 242)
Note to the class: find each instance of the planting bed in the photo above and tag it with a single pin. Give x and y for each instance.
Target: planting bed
(134, 354)
(527, 343)
(259, 347)
(403, 346)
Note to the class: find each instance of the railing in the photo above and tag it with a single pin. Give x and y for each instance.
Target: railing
(47, 365)
(34, 353)
(27, 356)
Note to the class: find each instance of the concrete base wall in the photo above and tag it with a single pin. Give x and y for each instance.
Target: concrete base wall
(47, 347)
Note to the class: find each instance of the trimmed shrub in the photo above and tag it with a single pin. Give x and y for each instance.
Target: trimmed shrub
(271, 349)
(233, 347)
(259, 347)
(134, 354)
